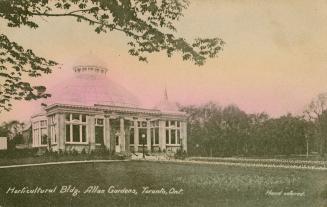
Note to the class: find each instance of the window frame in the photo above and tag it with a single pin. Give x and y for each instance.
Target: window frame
(70, 122)
(173, 126)
(154, 128)
(99, 122)
(40, 128)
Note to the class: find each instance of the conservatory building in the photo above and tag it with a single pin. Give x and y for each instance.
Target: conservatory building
(91, 111)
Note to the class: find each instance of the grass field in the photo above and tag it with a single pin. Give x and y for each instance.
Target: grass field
(202, 185)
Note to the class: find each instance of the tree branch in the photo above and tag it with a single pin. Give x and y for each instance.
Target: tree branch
(72, 14)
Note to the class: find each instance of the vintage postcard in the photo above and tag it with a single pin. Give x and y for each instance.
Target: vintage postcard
(163, 103)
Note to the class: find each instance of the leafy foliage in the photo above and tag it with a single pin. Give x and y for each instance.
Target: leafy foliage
(148, 24)
(11, 129)
(14, 63)
(228, 131)
(316, 112)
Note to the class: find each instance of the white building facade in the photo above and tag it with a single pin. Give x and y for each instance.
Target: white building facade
(90, 111)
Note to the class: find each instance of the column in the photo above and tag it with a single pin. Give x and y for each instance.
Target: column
(122, 135)
(112, 139)
(136, 136)
(107, 132)
(54, 138)
(90, 133)
(127, 135)
(148, 136)
(50, 138)
(33, 135)
(184, 134)
(162, 134)
(61, 131)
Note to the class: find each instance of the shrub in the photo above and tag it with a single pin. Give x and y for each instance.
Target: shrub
(74, 152)
(18, 153)
(180, 154)
(122, 155)
(47, 152)
(66, 153)
(55, 153)
(83, 152)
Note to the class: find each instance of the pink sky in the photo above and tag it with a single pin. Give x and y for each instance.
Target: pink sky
(274, 61)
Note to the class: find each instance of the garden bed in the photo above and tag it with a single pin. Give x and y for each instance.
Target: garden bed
(291, 163)
(32, 156)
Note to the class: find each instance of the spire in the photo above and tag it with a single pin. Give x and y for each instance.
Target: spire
(165, 105)
(165, 95)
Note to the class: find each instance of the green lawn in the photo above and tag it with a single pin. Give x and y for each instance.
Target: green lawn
(203, 185)
(45, 159)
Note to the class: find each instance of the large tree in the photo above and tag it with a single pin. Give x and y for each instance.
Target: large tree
(316, 112)
(11, 129)
(148, 24)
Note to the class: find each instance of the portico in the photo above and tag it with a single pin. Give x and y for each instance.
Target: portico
(118, 130)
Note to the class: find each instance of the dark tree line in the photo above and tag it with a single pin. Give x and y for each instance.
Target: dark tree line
(229, 131)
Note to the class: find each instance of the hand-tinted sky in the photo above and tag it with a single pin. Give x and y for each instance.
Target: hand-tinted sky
(275, 58)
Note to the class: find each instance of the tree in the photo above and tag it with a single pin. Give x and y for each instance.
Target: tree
(13, 131)
(216, 131)
(254, 133)
(236, 128)
(14, 63)
(203, 128)
(284, 135)
(148, 24)
(316, 111)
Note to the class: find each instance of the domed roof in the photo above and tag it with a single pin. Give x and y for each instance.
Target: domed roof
(90, 86)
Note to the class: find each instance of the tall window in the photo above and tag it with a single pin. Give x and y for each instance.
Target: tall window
(131, 133)
(99, 131)
(44, 133)
(83, 133)
(173, 132)
(131, 136)
(44, 139)
(35, 137)
(142, 126)
(53, 126)
(167, 136)
(178, 137)
(67, 132)
(142, 136)
(76, 133)
(173, 136)
(154, 129)
(117, 139)
(40, 133)
(76, 128)
(156, 134)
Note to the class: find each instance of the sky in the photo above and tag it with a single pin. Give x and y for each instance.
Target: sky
(274, 60)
